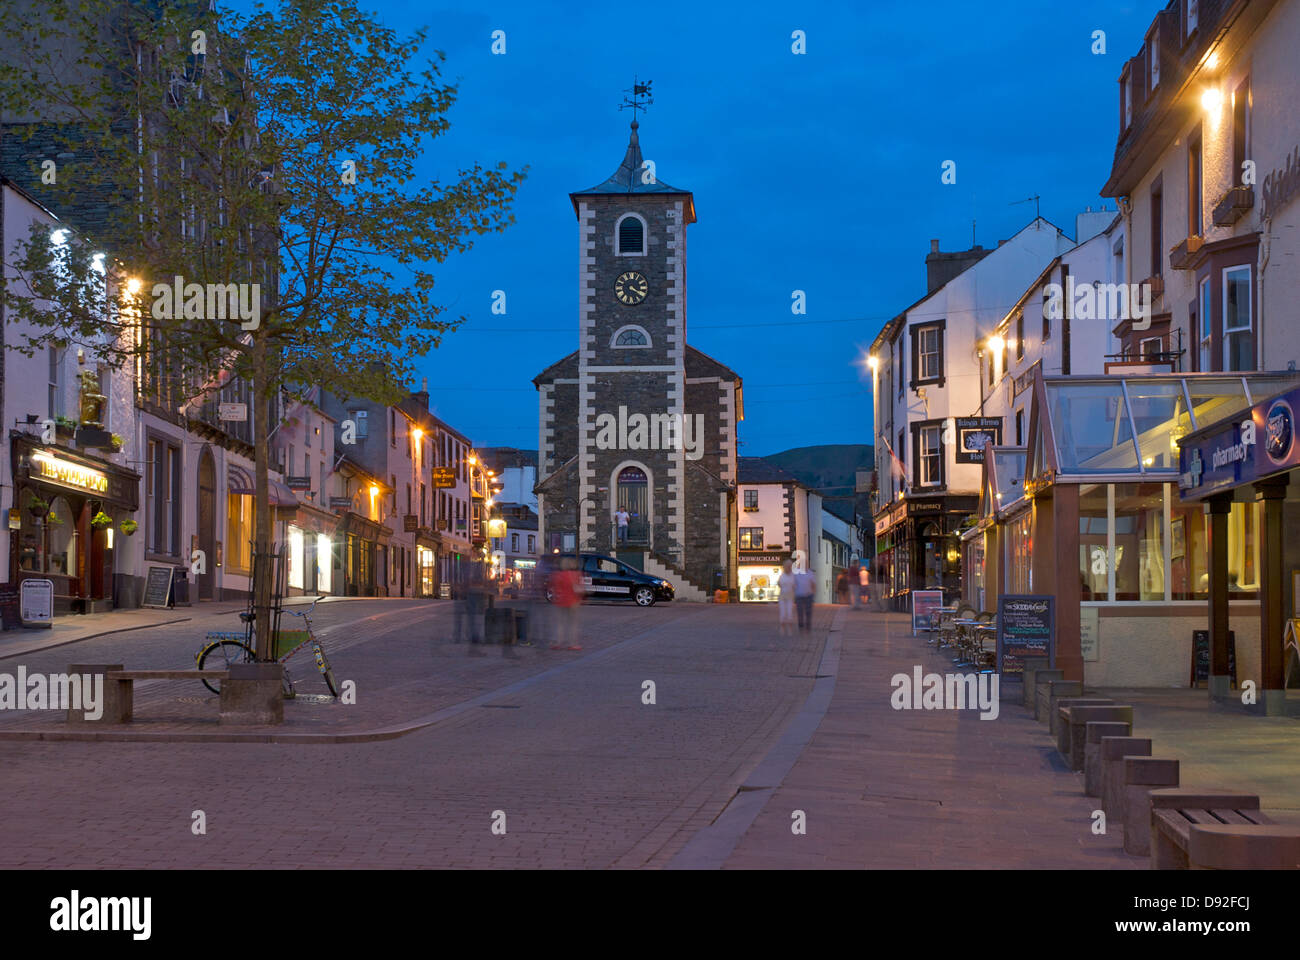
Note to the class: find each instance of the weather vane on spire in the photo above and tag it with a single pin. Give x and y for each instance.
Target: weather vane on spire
(635, 102)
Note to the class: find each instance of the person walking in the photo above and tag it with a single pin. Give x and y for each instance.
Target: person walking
(621, 518)
(855, 584)
(566, 595)
(785, 600)
(864, 584)
(805, 589)
(475, 590)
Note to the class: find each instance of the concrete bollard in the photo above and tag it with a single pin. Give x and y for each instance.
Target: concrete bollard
(1077, 731)
(253, 694)
(1045, 692)
(1093, 733)
(116, 694)
(1059, 729)
(1113, 752)
(1141, 776)
(1030, 677)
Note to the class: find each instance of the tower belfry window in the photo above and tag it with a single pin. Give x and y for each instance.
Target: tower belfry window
(630, 236)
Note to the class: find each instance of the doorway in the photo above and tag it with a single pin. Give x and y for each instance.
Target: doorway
(633, 496)
(207, 514)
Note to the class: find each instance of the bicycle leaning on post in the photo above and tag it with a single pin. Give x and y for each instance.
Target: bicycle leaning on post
(223, 649)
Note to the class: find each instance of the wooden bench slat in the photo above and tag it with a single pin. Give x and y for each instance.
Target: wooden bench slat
(1174, 821)
(1231, 816)
(1254, 816)
(1200, 816)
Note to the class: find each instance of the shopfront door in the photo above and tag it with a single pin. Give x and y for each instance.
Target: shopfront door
(207, 516)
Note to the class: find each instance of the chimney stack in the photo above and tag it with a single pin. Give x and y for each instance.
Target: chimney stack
(934, 246)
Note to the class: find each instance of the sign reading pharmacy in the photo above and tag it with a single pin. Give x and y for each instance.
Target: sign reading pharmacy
(1250, 446)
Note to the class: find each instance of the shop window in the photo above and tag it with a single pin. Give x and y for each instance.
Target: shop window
(324, 563)
(751, 538)
(1020, 574)
(1238, 333)
(61, 535)
(295, 557)
(239, 533)
(1139, 553)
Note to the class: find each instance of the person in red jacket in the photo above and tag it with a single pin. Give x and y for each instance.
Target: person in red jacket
(567, 591)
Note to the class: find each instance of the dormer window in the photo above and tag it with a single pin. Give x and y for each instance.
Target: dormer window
(1191, 17)
(1153, 45)
(630, 236)
(630, 337)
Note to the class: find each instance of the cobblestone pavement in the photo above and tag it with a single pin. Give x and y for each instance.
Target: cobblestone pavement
(561, 745)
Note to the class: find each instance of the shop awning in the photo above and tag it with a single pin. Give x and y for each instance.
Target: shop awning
(239, 481)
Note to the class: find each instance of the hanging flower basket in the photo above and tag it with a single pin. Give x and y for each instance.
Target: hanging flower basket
(52, 519)
(101, 520)
(128, 527)
(37, 507)
(116, 443)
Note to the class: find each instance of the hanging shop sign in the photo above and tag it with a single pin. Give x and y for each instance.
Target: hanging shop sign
(236, 412)
(443, 478)
(298, 483)
(1239, 451)
(973, 433)
(496, 528)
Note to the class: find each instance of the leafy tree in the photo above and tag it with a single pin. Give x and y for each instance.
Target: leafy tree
(275, 148)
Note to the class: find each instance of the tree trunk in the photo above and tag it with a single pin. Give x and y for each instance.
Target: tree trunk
(263, 565)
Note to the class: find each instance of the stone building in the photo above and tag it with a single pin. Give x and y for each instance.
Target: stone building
(635, 417)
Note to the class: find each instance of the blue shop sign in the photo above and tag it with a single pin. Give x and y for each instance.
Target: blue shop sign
(1251, 446)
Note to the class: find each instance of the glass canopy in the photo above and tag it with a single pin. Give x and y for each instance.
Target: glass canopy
(1009, 467)
(1131, 425)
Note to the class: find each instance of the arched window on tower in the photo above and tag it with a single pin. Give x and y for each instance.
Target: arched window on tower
(629, 236)
(630, 337)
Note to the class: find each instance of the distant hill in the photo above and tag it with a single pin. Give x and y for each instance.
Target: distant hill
(830, 468)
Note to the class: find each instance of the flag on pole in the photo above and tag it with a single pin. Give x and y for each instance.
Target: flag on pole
(896, 468)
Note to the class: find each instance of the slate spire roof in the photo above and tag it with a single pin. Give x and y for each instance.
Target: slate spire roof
(627, 179)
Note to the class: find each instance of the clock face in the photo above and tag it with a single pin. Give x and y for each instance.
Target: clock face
(631, 288)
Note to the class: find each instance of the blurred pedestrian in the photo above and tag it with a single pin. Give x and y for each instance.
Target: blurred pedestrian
(855, 584)
(864, 584)
(566, 596)
(785, 600)
(805, 589)
(473, 589)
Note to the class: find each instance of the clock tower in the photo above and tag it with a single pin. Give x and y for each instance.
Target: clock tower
(635, 420)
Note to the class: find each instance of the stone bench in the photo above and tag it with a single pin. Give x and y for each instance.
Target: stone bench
(1141, 776)
(1094, 732)
(1114, 751)
(247, 692)
(1239, 838)
(1071, 727)
(1046, 692)
(1060, 731)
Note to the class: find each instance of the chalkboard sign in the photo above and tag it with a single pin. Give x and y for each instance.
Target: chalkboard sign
(1201, 657)
(158, 587)
(1026, 628)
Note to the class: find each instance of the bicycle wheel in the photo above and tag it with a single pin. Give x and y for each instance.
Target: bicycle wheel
(326, 671)
(219, 655)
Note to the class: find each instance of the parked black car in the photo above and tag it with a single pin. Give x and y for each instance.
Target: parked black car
(608, 579)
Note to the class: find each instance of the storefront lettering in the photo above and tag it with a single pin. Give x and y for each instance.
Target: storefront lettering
(71, 474)
(1222, 456)
(1281, 185)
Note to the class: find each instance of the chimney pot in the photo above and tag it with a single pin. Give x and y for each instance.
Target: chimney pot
(934, 246)
(424, 385)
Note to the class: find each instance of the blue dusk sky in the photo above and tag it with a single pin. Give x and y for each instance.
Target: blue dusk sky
(817, 172)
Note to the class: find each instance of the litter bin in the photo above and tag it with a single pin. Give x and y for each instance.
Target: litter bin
(181, 587)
